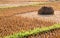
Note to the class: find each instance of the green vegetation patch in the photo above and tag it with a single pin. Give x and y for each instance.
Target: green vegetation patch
(35, 31)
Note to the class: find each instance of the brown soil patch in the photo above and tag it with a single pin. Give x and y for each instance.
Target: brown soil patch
(15, 24)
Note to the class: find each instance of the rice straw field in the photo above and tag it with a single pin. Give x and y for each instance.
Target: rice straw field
(24, 21)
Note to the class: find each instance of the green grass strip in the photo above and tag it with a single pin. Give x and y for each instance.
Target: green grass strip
(35, 31)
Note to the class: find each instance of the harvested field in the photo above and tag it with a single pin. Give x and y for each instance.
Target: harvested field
(19, 19)
(17, 23)
(53, 18)
(23, 22)
(24, 9)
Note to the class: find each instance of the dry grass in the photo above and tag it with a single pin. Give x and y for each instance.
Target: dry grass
(15, 24)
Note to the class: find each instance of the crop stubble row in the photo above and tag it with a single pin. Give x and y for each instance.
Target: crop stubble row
(16, 24)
